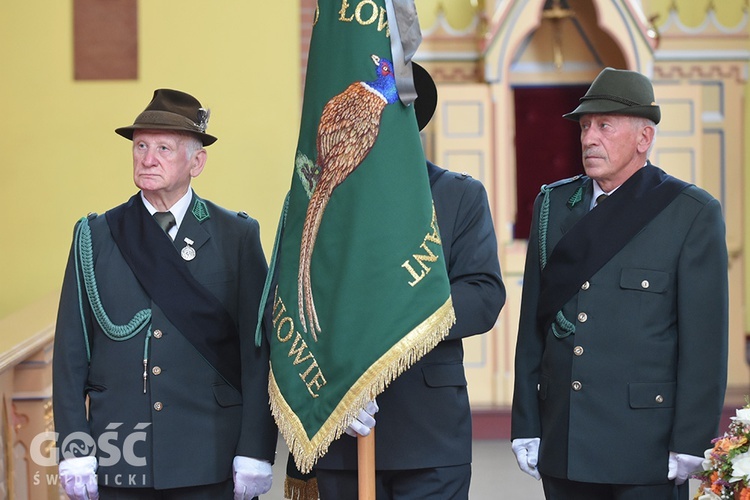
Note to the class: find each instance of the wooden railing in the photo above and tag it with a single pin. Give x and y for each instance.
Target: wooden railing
(26, 422)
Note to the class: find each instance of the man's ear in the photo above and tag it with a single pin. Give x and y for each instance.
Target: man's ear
(646, 138)
(199, 161)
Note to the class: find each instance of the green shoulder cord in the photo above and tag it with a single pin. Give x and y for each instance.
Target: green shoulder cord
(561, 322)
(84, 260)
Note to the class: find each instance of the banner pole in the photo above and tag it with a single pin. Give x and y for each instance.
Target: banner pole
(366, 465)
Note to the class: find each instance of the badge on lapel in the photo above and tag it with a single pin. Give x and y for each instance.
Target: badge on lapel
(188, 252)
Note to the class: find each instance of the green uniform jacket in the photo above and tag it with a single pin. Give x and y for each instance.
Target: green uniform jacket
(425, 418)
(188, 425)
(645, 371)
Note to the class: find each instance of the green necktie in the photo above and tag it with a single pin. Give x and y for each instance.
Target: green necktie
(165, 221)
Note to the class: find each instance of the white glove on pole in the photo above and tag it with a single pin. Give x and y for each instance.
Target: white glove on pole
(527, 455)
(364, 422)
(78, 478)
(681, 466)
(252, 477)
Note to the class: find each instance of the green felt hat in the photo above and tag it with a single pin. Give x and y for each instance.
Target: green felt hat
(172, 110)
(619, 92)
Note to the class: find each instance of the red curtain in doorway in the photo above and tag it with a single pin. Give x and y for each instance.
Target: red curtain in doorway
(547, 146)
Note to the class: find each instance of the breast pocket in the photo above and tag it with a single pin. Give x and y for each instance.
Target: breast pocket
(644, 280)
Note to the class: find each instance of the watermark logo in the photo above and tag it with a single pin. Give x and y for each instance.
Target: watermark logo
(79, 444)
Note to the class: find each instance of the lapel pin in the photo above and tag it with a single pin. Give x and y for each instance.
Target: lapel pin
(188, 252)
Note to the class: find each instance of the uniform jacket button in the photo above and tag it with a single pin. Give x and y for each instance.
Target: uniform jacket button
(157, 334)
(659, 398)
(158, 406)
(585, 285)
(576, 385)
(645, 284)
(578, 350)
(582, 317)
(156, 370)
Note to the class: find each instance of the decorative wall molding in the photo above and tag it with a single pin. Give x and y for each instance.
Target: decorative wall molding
(736, 72)
(702, 55)
(457, 74)
(710, 22)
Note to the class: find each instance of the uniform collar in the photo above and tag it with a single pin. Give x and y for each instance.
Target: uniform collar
(179, 209)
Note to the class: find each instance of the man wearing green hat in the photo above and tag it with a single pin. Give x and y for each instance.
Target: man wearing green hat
(158, 388)
(620, 366)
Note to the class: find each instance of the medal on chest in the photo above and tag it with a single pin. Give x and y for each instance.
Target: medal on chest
(188, 252)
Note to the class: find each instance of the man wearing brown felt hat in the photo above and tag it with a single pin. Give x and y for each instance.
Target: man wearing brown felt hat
(172, 110)
(159, 389)
(621, 357)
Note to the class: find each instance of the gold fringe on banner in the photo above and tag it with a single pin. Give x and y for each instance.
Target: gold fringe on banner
(381, 373)
(298, 489)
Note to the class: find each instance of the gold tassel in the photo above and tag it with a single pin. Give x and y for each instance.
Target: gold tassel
(297, 489)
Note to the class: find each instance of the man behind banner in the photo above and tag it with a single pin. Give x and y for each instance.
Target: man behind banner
(621, 356)
(423, 430)
(155, 333)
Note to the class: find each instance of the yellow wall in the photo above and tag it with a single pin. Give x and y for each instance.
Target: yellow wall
(746, 211)
(61, 158)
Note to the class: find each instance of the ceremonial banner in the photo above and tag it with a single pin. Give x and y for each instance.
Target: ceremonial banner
(362, 289)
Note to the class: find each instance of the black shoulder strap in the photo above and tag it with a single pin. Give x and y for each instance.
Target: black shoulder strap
(603, 232)
(164, 275)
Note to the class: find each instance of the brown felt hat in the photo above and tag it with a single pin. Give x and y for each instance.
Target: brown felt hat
(426, 102)
(172, 110)
(619, 92)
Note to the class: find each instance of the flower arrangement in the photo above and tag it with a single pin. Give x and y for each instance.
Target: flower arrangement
(726, 467)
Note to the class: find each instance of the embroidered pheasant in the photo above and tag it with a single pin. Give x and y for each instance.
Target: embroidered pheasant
(348, 127)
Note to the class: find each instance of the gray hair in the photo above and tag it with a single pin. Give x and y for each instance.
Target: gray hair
(192, 143)
(639, 122)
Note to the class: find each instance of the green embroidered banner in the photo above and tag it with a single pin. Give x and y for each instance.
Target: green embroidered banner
(362, 289)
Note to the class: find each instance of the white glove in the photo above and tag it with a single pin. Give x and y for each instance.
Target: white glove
(78, 478)
(681, 466)
(527, 455)
(361, 425)
(252, 477)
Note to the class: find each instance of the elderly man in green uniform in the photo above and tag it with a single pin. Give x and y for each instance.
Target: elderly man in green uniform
(159, 390)
(622, 343)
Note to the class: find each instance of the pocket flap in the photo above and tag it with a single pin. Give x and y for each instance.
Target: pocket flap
(652, 394)
(646, 280)
(444, 375)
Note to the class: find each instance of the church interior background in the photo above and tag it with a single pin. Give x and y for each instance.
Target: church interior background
(506, 71)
